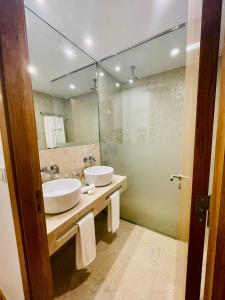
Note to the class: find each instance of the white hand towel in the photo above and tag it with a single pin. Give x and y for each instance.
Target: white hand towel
(85, 241)
(114, 212)
(49, 131)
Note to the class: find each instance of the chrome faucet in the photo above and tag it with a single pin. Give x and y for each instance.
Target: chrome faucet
(54, 169)
(92, 161)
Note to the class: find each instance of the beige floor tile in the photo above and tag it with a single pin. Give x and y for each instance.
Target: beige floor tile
(137, 264)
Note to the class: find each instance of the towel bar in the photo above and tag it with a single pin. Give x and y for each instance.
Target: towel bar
(68, 227)
(65, 236)
(118, 189)
(73, 228)
(70, 231)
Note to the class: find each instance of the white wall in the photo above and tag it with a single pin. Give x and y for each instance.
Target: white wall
(10, 275)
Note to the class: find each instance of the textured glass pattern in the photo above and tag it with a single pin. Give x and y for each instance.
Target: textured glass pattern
(140, 132)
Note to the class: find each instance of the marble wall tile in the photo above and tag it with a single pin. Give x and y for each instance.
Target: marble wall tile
(69, 159)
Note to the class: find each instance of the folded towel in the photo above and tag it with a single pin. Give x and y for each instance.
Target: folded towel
(114, 212)
(85, 241)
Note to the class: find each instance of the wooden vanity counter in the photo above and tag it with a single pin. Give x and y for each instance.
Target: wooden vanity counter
(61, 227)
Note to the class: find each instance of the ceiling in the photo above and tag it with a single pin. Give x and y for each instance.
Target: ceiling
(100, 28)
(150, 58)
(52, 56)
(111, 25)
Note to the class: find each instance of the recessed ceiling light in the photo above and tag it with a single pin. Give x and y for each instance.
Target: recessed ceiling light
(175, 52)
(72, 86)
(131, 80)
(88, 41)
(102, 74)
(69, 52)
(117, 68)
(32, 70)
(117, 84)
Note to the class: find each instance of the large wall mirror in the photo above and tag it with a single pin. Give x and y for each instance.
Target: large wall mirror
(64, 88)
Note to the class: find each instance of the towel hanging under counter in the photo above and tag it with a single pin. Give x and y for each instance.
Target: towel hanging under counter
(61, 228)
(85, 241)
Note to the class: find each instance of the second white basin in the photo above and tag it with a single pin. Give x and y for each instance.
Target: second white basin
(99, 175)
(61, 195)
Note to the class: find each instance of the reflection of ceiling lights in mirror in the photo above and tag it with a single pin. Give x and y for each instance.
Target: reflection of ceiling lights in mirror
(131, 80)
(32, 70)
(117, 84)
(101, 74)
(175, 52)
(88, 41)
(72, 86)
(117, 68)
(69, 53)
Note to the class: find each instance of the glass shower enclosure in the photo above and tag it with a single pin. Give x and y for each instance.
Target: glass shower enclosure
(141, 97)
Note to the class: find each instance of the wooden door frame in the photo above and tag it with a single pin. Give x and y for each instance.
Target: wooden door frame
(208, 62)
(21, 150)
(18, 130)
(215, 267)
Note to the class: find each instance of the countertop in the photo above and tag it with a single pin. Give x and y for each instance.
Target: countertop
(61, 227)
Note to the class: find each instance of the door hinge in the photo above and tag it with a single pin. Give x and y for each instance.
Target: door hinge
(202, 208)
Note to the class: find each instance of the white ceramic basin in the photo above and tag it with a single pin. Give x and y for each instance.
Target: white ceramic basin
(99, 175)
(61, 195)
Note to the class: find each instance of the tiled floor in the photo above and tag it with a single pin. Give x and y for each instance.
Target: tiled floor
(137, 264)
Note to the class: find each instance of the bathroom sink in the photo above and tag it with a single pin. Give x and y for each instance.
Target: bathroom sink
(61, 195)
(99, 175)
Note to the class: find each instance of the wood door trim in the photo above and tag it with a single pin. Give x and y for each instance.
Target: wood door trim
(21, 153)
(215, 267)
(2, 296)
(208, 61)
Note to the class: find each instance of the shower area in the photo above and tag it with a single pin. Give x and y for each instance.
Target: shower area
(141, 97)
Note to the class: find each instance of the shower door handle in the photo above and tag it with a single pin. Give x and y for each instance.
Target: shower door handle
(179, 177)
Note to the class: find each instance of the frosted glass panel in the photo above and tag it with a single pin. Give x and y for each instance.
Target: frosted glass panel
(140, 130)
(151, 198)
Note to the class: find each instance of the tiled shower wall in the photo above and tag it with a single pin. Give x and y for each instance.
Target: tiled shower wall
(141, 129)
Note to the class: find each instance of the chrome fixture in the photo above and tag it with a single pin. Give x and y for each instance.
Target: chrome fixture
(132, 77)
(89, 161)
(179, 177)
(53, 115)
(54, 169)
(92, 161)
(95, 88)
